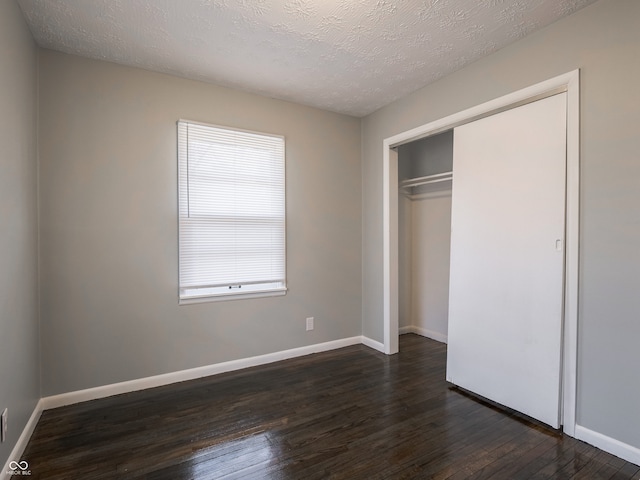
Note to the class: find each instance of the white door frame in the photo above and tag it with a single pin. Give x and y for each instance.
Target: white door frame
(570, 83)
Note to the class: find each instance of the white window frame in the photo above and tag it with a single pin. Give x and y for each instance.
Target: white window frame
(231, 290)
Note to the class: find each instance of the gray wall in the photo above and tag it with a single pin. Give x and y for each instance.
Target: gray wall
(19, 341)
(108, 215)
(430, 262)
(426, 156)
(108, 200)
(603, 40)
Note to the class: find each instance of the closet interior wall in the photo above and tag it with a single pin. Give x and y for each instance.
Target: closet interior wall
(424, 221)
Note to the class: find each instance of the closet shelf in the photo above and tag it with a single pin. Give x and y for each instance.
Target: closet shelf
(416, 182)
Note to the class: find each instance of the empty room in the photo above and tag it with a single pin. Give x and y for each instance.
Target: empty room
(319, 239)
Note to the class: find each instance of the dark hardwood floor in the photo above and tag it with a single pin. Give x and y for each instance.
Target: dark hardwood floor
(351, 413)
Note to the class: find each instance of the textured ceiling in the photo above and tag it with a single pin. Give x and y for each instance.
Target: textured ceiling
(347, 56)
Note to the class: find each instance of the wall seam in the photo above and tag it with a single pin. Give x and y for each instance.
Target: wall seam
(38, 249)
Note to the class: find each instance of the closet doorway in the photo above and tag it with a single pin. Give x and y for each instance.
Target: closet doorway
(424, 235)
(568, 83)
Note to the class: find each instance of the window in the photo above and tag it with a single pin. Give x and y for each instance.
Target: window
(231, 213)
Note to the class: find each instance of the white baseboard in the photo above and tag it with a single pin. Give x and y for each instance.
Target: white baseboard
(23, 440)
(438, 337)
(603, 442)
(78, 396)
(371, 343)
(611, 445)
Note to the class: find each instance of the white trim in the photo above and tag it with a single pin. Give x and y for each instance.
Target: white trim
(390, 249)
(236, 296)
(598, 440)
(369, 342)
(78, 396)
(569, 83)
(224, 127)
(23, 440)
(572, 243)
(423, 332)
(611, 445)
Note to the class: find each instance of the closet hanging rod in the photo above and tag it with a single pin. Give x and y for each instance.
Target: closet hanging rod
(438, 177)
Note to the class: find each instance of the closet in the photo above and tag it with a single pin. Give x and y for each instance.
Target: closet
(424, 216)
(482, 257)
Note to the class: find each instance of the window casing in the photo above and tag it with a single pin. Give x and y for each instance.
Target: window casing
(232, 241)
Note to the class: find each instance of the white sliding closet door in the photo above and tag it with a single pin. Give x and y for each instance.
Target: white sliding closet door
(507, 258)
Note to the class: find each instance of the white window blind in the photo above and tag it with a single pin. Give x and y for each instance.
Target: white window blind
(231, 212)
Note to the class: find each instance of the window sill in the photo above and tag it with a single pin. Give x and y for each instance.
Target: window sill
(233, 296)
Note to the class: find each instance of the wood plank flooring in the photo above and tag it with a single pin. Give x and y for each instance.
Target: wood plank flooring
(352, 413)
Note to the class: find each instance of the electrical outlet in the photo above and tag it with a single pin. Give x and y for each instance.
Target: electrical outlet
(309, 323)
(3, 429)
